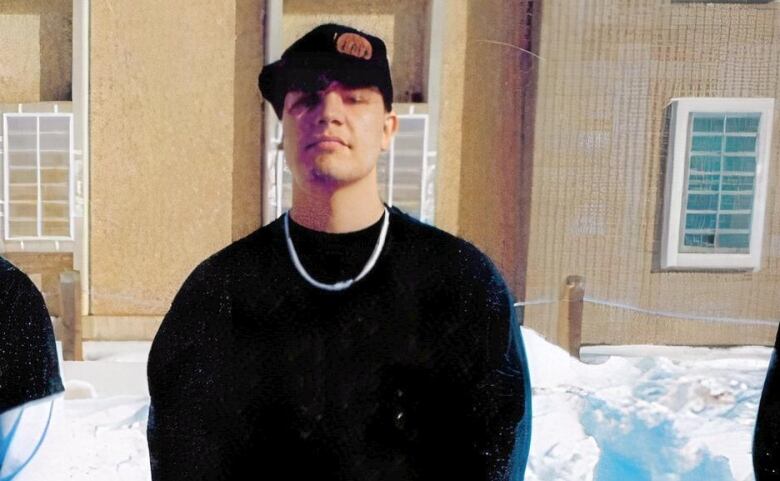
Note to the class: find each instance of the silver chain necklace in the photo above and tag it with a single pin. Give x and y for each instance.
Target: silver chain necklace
(341, 285)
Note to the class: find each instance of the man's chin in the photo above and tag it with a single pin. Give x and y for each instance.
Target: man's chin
(328, 178)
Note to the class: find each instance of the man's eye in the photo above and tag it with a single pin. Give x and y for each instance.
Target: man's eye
(306, 101)
(310, 100)
(355, 99)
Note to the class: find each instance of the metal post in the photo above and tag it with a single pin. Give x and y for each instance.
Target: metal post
(70, 313)
(570, 315)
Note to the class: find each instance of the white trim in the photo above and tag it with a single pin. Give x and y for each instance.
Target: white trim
(424, 171)
(6, 173)
(391, 170)
(680, 112)
(80, 146)
(272, 45)
(38, 179)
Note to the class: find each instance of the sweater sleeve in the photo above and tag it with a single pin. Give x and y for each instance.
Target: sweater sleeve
(766, 437)
(502, 392)
(193, 433)
(486, 394)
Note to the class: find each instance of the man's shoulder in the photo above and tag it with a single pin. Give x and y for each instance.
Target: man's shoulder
(247, 254)
(12, 278)
(8, 270)
(434, 245)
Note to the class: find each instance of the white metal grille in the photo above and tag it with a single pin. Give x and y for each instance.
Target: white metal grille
(37, 176)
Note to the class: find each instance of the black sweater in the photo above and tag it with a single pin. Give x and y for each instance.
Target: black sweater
(415, 372)
(28, 354)
(766, 437)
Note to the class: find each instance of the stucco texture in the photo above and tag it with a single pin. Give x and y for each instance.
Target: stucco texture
(175, 135)
(495, 164)
(450, 142)
(36, 54)
(608, 73)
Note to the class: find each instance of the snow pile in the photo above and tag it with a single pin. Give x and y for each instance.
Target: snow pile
(646, 418)
(100, 439)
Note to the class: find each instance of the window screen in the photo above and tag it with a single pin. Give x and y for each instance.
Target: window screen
(720, 185)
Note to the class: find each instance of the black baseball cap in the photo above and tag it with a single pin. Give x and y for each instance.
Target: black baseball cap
(328, 53)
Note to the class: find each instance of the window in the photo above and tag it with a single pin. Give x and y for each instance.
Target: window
(404, 173)
(37, 176)
(716, 183)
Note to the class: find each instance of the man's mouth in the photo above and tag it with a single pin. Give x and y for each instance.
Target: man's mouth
(327, 140)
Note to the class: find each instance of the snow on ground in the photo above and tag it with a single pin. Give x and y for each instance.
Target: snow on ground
(635, 413)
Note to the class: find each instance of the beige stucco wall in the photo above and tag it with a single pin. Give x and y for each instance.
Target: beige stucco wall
(402, 24)
(174, 143)
(450, 141)
(494, 169)
(36, 53)
(608, 73)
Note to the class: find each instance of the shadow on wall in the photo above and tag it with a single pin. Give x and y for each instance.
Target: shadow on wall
(54, 25)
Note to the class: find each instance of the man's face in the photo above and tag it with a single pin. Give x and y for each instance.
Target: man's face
(334, 136)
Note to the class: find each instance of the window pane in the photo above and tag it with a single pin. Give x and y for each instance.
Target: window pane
(22, 229)
(56, 229)
(734, 221)
(740, 144)
(737, 182)
(55, 125)
(736, 202)
(700, 221)
(702, 202)
(708, 124)
(705, 163)
(734, 240)
(22, 192)
(22, 159)
(700, 240)
(23, 176)
(742, 124)
(704, 182)
(21, 123)
(21, 141)
(710, 143)
(739, 164)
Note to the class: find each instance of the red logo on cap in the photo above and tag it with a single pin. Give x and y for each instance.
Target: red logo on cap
(354, 45)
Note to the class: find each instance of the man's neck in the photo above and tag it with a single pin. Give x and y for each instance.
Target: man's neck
(337, 210)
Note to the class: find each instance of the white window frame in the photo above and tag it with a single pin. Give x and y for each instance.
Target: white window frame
(680, 111)
(6, 238)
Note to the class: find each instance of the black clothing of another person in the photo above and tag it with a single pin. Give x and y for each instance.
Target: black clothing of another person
(766, 438)
(415, 372)
(28, 353)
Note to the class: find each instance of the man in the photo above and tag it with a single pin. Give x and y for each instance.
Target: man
(29, 371)
(766, 437)
(345, 340)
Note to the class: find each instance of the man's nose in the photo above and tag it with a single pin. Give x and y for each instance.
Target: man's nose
(331, 108)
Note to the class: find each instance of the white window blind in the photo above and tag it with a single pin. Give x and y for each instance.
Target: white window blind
(37, 176)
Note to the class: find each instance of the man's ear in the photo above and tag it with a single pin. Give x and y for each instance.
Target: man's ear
(389, 128)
